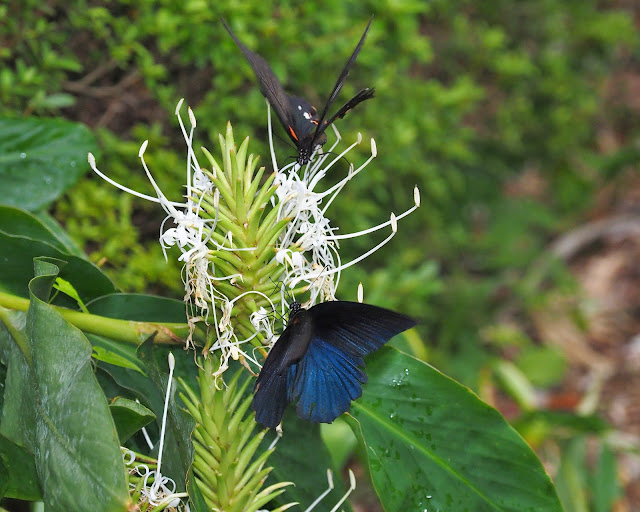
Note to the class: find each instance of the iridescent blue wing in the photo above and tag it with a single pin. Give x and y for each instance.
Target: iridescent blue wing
(325, 382)
(329, 376)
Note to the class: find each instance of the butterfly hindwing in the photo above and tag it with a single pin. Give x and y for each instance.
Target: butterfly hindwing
(330, 376)
(326, 381)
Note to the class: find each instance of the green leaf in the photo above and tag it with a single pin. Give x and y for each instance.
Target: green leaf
(432, 444)
(69, 245)
(40, 159)
(18, 422)
(604, 481)
(129, 417)
(64, 286)
(18, 253)
(21, 477)
(544, 366)
(568, 423)
(107, 356)
(78, 456)
(15, 221)
(572, 476)
(4, 478)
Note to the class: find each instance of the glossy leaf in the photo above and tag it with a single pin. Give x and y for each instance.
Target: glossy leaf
(432, 444)
(129, 417)
(17, 423)
(77, 450)
(41, 159)
(21, 477)
(4, 479)
(15, 221)
(18, 253)
(70, 246)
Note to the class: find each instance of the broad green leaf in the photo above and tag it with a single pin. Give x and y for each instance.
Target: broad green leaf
(70, 246)
(139, 307)
(22, 479)
(78, 456)
(40, 159)
(432, 444)
(4, 479)
(129, 417)
(14, 221)
(18, 423)
(18, 253)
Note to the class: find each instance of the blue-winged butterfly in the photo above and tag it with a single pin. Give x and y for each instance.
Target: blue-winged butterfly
(318, 359)
(298, 117)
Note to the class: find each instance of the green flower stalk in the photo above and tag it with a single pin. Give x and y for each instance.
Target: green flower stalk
(226, 469)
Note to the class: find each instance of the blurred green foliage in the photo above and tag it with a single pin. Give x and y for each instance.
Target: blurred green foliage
(492, 108)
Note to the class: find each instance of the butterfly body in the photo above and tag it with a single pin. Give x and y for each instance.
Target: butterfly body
(298, 117)
(318, 360)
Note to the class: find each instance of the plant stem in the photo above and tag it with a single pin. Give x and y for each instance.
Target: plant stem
(122, 330)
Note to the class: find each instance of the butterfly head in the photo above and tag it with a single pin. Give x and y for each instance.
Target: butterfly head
(294, 308)
(304, 155)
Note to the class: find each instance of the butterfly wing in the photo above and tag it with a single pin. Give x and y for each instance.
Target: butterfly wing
(363, 95)
(329, 376)
(356, 328)
(270, 393)
(270, 87)
(322, 125)
(325, 382)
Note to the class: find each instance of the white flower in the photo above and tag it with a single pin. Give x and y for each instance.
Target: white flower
(309, 246)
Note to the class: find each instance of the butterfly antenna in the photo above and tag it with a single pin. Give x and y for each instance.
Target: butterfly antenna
(277, 286)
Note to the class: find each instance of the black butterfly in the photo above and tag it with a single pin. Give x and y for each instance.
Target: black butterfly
(318, 359)
(298, 117)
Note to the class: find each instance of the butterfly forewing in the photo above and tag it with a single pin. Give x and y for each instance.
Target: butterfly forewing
(270, 87)
(356, 328)
(340, 81)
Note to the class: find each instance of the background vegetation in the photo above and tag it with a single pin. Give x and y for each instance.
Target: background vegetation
(518, 120)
